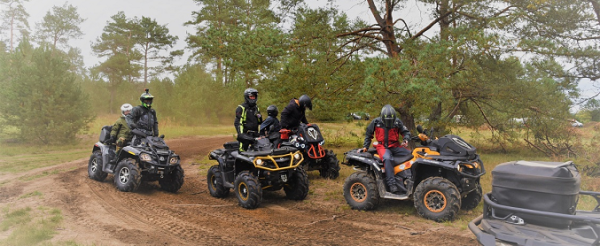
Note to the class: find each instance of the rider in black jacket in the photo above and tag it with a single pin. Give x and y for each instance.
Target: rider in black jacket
(247, 119)
(144, 117)
(294, 112)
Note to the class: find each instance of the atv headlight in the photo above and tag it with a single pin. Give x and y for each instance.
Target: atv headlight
(145, 157)
(173, 160)
(259, 162)
(297, 156)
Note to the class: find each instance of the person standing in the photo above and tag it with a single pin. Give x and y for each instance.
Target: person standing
(247, 119)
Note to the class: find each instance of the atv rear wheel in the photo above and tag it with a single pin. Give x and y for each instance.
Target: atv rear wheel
(437, 199)
(360, 191)
(173, 181)
(128, 175)
(471, 200)
(331, 166)
(248, 190)
(297, 186)
(215, 182)
(95, 167)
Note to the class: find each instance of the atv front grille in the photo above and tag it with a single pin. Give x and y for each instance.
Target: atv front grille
(278, 162)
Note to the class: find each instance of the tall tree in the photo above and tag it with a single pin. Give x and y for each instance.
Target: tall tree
(153, 38)
(117, 45)
(60, 25)
(14, 18)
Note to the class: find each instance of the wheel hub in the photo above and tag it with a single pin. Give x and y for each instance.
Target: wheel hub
(435, 201)
(124, 175)
(358, 192)
(243, 190)
(94, 166)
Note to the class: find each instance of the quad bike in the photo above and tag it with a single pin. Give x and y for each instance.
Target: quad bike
(441, 177)
(535, 203)
(260, 168)
(309, 140)
(148, 158)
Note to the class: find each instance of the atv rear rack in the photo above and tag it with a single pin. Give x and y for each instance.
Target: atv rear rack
(490, 229)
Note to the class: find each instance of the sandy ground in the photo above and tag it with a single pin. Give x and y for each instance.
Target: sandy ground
(97, 213)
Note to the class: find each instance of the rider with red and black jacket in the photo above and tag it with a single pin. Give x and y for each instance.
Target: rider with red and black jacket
(388, 129)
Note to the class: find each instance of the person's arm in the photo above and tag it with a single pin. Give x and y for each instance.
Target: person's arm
(265, 125)
(303, 120)
(155, 123)
(238, 120)
(369, 135)
(284, 118)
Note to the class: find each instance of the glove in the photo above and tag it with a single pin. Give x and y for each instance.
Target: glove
(361, 150)
(404, 142)
(111, 140)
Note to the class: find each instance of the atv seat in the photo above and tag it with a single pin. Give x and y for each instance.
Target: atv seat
(398, 159)
(232, 145)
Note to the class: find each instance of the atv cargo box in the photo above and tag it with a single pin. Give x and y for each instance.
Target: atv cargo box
(542, 186)
(105, 133)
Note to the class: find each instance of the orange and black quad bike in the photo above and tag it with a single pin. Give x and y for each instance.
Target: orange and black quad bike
(441, 176)
(309, 140)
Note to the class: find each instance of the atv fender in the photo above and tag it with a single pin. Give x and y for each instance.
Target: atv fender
(365, 161)
(226, 183)
(105, 155)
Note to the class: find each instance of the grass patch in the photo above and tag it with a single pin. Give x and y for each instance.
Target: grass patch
(26, 162)
(32, 194)
(28, 226)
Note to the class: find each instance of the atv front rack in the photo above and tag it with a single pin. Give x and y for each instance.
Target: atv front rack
(489, 229)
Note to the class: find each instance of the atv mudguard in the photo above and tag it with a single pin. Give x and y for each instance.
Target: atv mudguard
(104, 149)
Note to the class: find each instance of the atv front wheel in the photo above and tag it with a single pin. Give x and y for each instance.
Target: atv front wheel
(437, 199)
(248, 190)
(173, 181)
(95, 167)
(215, 182)
(360, 191)
(128, 175)
(331, 167)
(297, 187)
(471, 200)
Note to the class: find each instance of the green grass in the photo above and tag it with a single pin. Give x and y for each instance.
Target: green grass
(32, 194)
(28, 226)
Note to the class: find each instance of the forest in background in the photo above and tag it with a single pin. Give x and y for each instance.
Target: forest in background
(487, 62)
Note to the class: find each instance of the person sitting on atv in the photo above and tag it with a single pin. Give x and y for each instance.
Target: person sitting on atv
(121, 131)
(387, 129)
(144, 117)
(294, 113)
(270, 127)
(247, 119)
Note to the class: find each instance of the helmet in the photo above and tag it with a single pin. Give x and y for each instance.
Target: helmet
(272, 110)
(126, 108)
(388, 115)
(305, 102)
(146, 96)
(247, 93)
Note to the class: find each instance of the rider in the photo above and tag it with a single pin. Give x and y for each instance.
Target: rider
(387, 129)
(144, 117)
(247, 119)
(294, 112)
(270, 127)
(121, 132)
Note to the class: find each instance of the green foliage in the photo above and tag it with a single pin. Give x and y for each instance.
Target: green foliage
(14, 17)
(60, 25)
(29, 227)
(40, 97)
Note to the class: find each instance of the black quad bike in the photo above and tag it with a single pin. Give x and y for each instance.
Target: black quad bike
(441, 177)
(308, 139)
(260, 168)
(535, 203)
(148, 158)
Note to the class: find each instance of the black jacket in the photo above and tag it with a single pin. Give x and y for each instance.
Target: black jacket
(145, 119)
(247, 119)
(292, 115)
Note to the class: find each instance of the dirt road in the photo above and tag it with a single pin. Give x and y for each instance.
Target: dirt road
(97, 213)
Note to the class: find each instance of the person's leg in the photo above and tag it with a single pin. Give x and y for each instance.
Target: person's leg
(389, 170)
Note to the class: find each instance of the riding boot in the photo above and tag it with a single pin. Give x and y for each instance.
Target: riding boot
(401, 187)
(393, 186)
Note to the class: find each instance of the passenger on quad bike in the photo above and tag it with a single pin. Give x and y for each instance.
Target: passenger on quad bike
(121, 131)
(270, 127)
(387, 129)
(294, 113)
(144, 117)
(247, 119)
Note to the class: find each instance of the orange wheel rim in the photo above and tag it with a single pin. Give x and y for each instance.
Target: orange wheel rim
(358, 192)
(435, 201)
(243, 191)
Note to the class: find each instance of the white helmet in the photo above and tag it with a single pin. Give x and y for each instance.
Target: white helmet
(126, 108)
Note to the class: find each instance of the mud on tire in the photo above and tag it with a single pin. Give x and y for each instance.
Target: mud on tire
(173, 181)
(471, 200)
(95, 167)
(128, 175)
(214, 178)
(331, 166)
(297, 186)
(247, 190)
(360, 191)
(437, 199)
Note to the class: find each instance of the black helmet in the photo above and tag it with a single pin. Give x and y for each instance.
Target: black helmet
(247, 93)
(146, 96)
(388, 115)
(272, 110)
(305, 102)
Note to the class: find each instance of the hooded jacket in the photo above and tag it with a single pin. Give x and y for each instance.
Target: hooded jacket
(292, 115)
